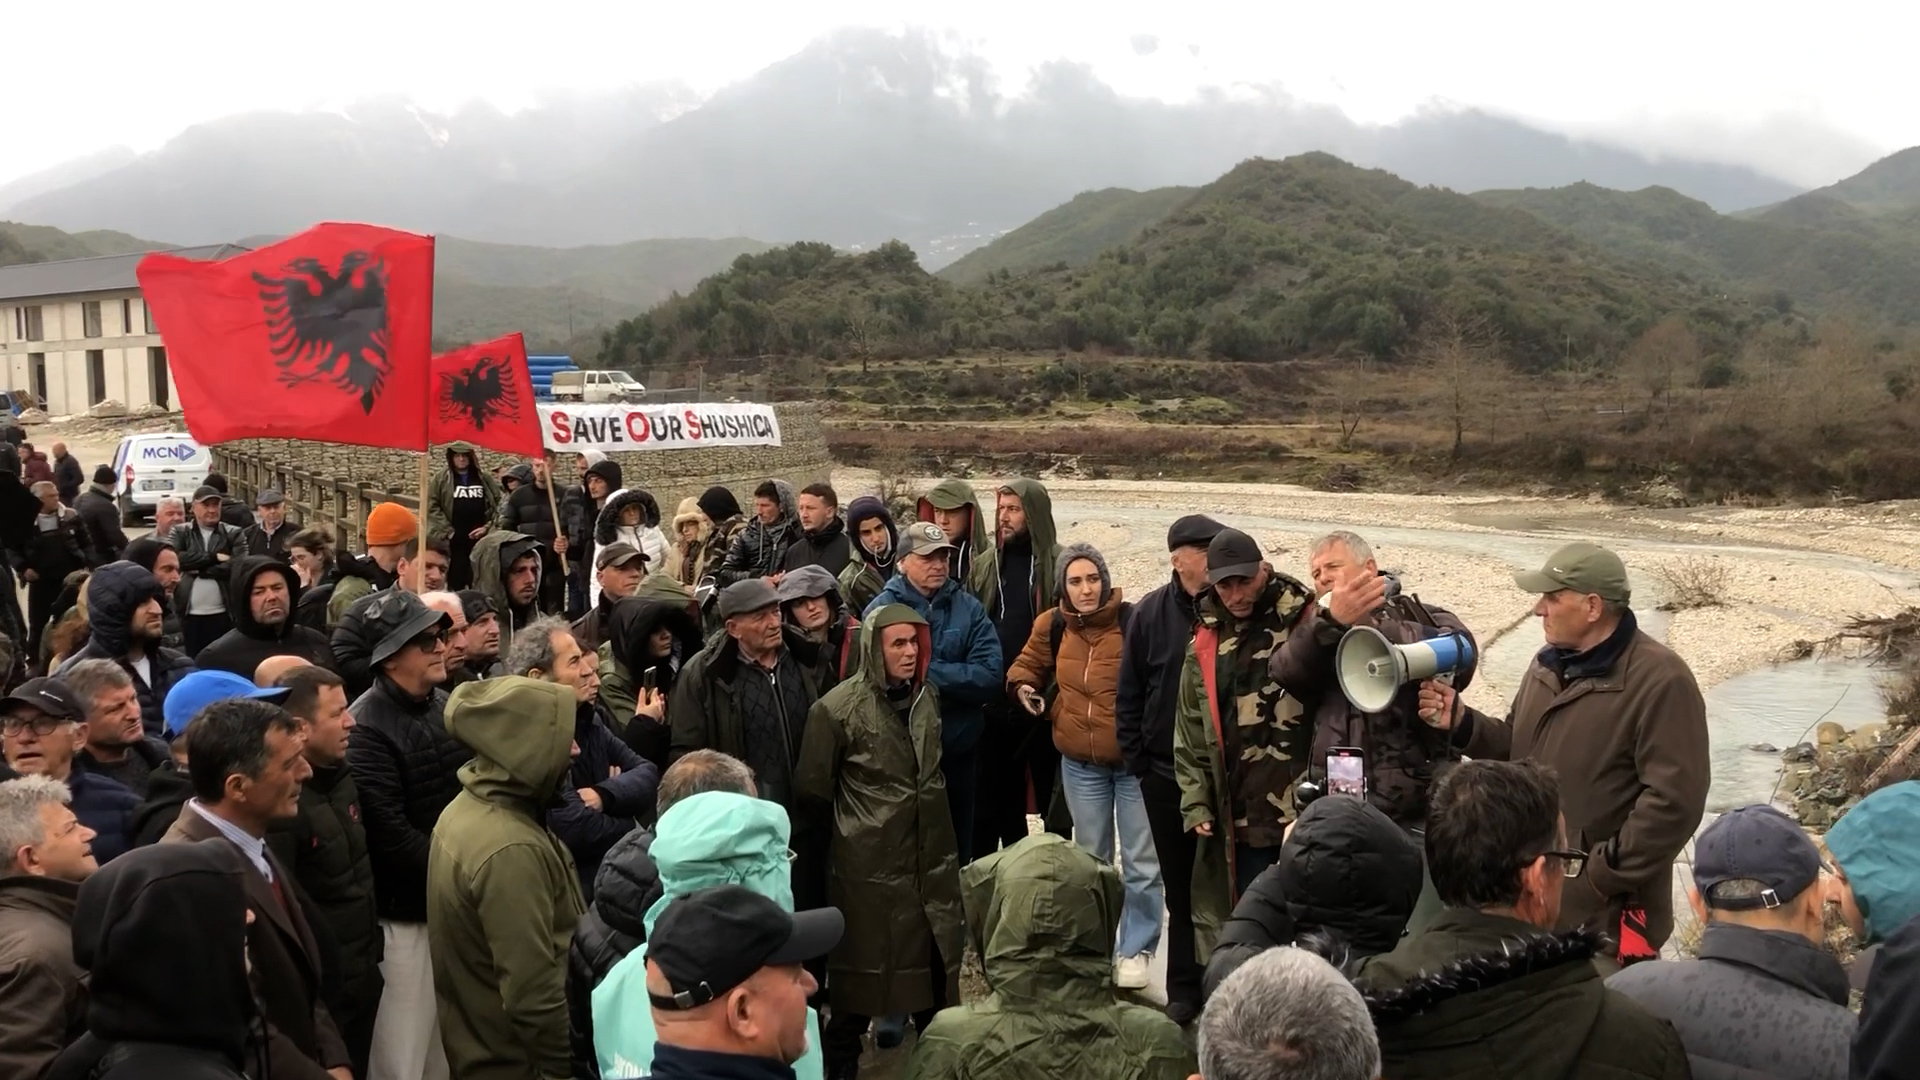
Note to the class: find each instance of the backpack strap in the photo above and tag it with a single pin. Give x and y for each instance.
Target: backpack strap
(1056, 633)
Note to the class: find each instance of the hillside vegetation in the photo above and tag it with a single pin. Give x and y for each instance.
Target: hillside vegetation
(1814, 249)
(1276, 260)
(1070, 234)
(41, 243)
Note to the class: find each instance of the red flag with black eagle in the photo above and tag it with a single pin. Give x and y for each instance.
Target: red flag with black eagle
(325, 336)
(483, 395)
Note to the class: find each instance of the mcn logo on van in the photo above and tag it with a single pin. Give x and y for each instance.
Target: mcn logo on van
(168, 452)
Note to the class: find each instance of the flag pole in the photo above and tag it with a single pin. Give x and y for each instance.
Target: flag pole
(425, 480)
(553, 507)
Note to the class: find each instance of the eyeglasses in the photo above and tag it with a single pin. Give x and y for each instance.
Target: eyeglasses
(41, 724)
(430, 641)
(1572, 863)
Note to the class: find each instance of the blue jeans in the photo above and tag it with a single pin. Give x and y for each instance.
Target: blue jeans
(1096, 794)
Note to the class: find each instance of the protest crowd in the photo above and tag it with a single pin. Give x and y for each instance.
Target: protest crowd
(580, 788)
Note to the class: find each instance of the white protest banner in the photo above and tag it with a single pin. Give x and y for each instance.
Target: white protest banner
(684, 426)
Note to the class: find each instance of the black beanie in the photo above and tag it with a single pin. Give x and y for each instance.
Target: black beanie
(103, 475)
(718, 504)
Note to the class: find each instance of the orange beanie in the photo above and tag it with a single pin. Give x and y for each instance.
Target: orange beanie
(390, 524)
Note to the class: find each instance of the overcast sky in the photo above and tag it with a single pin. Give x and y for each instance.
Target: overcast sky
(1807, 92)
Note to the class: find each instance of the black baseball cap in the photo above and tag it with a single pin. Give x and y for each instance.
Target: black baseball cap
(206, 492)
(46, 695)
(617, 554)
(1194, 530)
(708, 942)
(1233, 554)
(1755, 843)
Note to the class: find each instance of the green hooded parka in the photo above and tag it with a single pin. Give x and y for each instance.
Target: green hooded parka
(502, 892)
(976, 568)
(1044, 914)
(873, 777)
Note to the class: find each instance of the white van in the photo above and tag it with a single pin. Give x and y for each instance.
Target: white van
(155, 467)
(597, 387)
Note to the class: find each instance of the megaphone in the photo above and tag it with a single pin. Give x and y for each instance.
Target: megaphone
(1372, 669)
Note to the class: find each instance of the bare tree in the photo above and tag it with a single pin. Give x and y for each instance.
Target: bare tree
(1350, 382)
(1660, 361)
(1462, 351)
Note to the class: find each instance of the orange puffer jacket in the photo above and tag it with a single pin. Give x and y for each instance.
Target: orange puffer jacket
(1087, 671)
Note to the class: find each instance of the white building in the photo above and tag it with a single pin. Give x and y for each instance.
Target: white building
(75, 333)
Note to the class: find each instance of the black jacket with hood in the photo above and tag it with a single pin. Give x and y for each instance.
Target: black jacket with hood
(1347, 872)
(241, 649)
(162, 932)
(102, 517)
(407, 769)
(761, 549)
(614, 925)
(627, 660)
(583, 517)
(113, 593)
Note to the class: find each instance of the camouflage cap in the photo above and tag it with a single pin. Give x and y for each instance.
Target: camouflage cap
(1582, 567)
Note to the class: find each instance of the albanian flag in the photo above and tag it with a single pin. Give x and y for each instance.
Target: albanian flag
(483, 395)
(325, 336)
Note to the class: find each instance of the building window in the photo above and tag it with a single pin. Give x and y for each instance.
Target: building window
(90, 318)
(146, 310)
(27, 320)
(96, 376)
(157, 375)
(126, 317)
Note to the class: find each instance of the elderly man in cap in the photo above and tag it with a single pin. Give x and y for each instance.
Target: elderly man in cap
(406, 767)
(1154, 652)
(207, 547)
(747, 693)
(1764, 996)
(1240, 742)
(269, 535)
(619, 568)
(1619, 717)
(728, 985)
(966, 666)
(42, 727)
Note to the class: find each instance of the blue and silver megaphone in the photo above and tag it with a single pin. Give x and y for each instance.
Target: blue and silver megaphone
(1372, 669)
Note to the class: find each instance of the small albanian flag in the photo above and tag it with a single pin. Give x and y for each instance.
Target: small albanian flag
(483, 395)
(325, 336)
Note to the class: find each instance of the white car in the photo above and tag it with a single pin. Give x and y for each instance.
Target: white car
(597, 387)
(155, 467)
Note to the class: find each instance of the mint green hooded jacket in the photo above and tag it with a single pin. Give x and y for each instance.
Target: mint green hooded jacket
(716, 838)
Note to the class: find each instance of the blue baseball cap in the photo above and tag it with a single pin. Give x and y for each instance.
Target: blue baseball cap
(203, 688)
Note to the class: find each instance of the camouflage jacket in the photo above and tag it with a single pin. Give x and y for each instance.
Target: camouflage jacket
(1239, 740)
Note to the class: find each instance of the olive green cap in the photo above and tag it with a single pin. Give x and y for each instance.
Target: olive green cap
(1582, 567)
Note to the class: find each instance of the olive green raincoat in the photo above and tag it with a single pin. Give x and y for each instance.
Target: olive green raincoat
(1044, 914)
(872, 777)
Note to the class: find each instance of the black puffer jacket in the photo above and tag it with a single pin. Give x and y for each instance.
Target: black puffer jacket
(113, 593)
(407, 769)
(629, 659)
(1347, 872)
(830, 548)
(325, 847)
(615, 924)
(241, 649)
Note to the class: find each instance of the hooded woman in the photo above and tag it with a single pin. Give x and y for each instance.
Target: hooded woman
(461, 504)
(1076, 647)
(630, 516)
(875, 538)
(649, 638)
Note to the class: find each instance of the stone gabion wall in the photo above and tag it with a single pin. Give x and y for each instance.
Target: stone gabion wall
(670, 475)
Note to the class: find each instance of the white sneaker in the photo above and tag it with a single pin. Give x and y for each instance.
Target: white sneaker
(1130, 972)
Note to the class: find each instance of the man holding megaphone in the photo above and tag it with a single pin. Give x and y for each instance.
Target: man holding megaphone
(1383, 739)
(1619, 716)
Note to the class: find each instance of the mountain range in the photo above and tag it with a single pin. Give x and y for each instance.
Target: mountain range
(1853, 245)
(860, 137)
